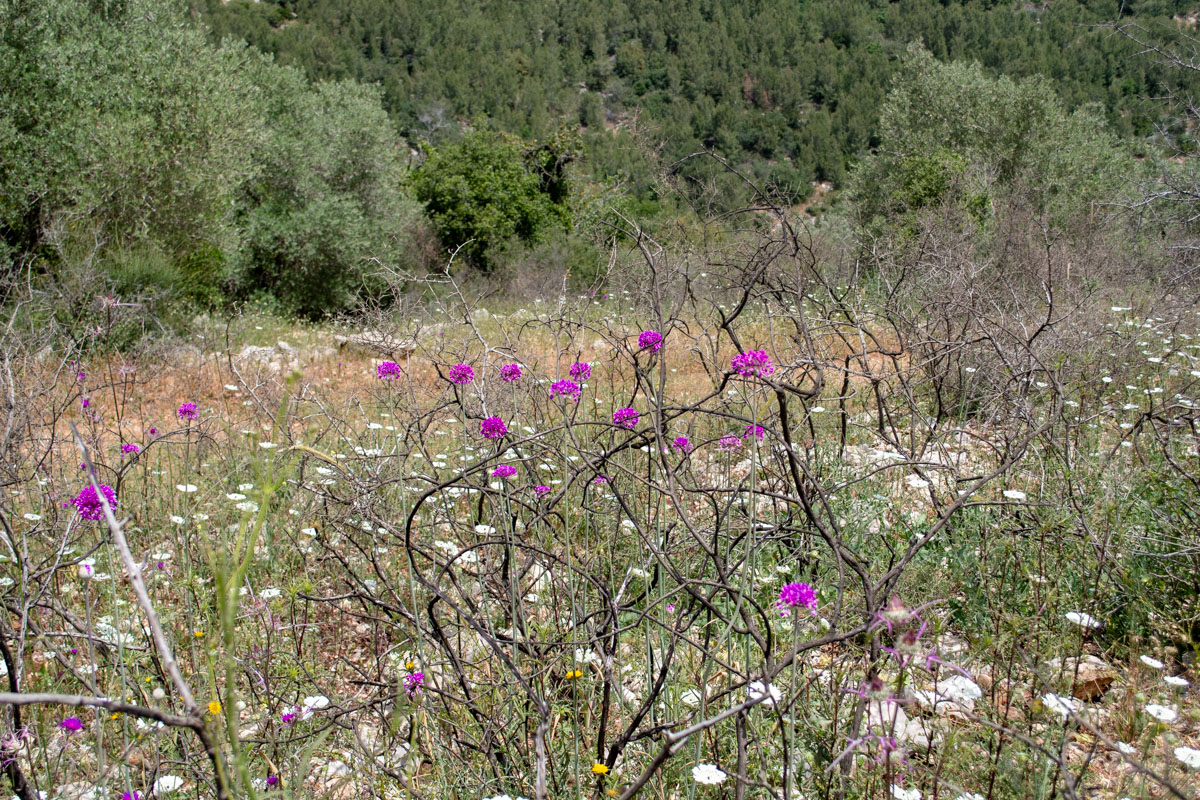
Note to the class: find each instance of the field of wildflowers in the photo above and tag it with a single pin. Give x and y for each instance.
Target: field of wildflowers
(736, 533)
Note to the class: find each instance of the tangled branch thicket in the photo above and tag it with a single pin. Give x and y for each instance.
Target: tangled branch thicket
(798, 525)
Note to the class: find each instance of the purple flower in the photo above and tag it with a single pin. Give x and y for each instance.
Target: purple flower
(71, 725)
(88, 502)
(510, 373)
(153, 431)
(85, 401)
(288, 717)
(461, 374)
(387, 371)
(540, 490)
(729, 443)
(504, 471)
(413, 683)
(130, 447)
(600, 480)
(756, 431)
(625, 417)
(188, 411)
(566, 389)
(273, 780)
(753, 363)
(650, 340)
(81, 376)
(795, 595)
(683, 444)
(131, 796)
(580, 371)
(493, 428)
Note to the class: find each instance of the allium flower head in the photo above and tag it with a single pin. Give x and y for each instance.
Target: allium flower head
(625, 417)
(580, 371)
(729, 444)
(541, 490)
(71, 725)
(510, 373)
(187, 412)
(88, 502)
(683, 444)
(461, 374)
(650, 340)
(387, 371)
(753, 364)
(504, 471)
(130, 447)
(566, 389)
(756, 431)
(493, 428)
(413, 683)
(796, 595)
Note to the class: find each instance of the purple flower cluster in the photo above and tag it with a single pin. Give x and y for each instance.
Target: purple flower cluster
(88, 502)
(387, 371)
(650, 340)
(566, 389)
(187, 412)
(504, 471)
(580, 371)
(753, 363)
(461, 374)
(754, 430)
(541, 490)
(625, 417)
(683, 444)
(493, 428)
(130, 447)
(730, 444)
(510, 373)
(413, 683)
(796, 595)
(71, 725)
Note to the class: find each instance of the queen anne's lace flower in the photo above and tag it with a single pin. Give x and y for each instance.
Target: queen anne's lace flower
(708, 774)
(1189, 756)
(1162, 713)
(1085, 621)
(758, 690)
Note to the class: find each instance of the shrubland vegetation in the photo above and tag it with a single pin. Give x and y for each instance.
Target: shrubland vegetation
(343, 459)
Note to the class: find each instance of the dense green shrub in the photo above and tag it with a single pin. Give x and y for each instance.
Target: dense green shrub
(488, 189)
(326, 205)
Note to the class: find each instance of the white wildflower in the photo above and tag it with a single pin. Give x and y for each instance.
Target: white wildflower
(1161, 713)
(708, 774)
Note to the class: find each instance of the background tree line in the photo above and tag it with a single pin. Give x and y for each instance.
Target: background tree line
(787, 90)
(148, 152)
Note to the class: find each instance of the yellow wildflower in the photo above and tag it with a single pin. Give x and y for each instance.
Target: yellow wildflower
(214, 708)
(599, 769)
(572, 674)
